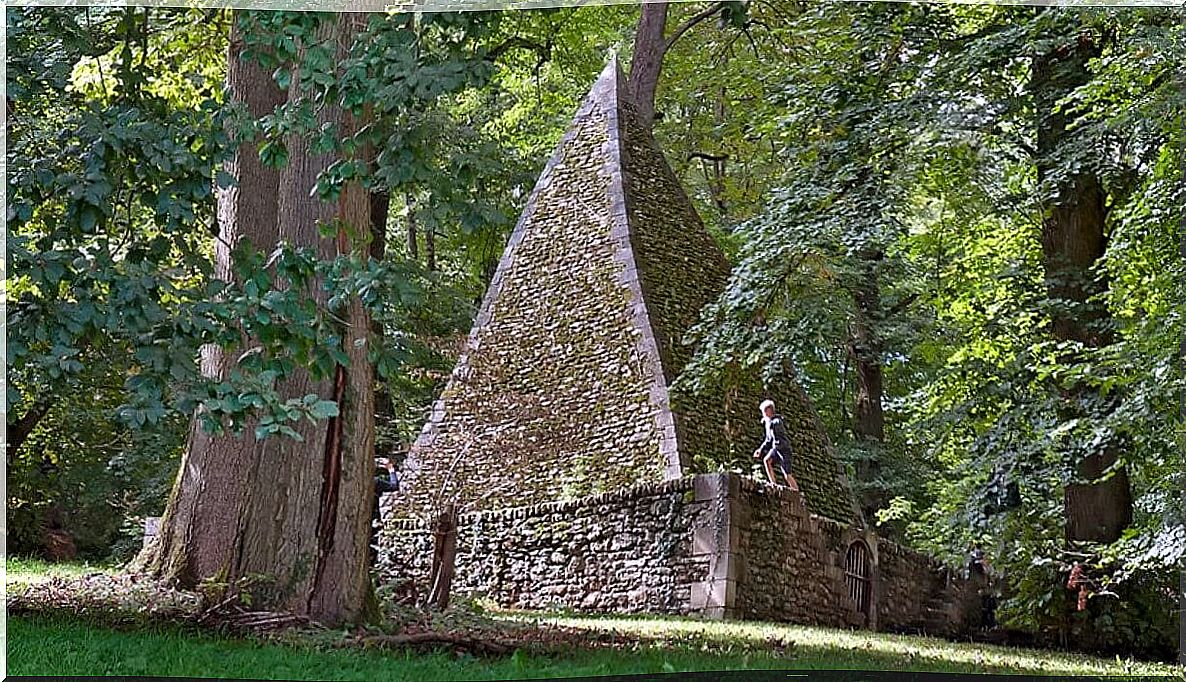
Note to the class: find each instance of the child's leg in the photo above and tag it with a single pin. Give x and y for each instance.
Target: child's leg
(791, 481)
(768, 460)
(786, 473)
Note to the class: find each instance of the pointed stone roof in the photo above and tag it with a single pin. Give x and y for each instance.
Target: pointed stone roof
(562, 389)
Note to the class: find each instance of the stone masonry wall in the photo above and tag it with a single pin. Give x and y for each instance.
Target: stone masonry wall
(919, 593)
(793, 561)
(792, 569)
(716, 545)
(623, 552)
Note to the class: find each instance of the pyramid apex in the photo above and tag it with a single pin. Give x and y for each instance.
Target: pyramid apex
(611, 79)
(612, 66)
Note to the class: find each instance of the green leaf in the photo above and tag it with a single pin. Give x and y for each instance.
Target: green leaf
(324, 409)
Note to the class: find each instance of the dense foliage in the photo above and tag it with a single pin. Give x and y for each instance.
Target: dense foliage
(874, 169)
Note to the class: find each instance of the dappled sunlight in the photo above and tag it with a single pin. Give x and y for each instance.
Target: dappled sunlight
(25, 571)
(898, 650)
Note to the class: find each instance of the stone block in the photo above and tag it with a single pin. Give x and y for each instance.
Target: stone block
(704, 540)
(707, 487)
(713, 594)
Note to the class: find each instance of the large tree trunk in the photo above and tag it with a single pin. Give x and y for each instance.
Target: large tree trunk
(650, 46)
(1073, 242)
(306, 523)
(380, 203)
(197, 538)
(297, 511)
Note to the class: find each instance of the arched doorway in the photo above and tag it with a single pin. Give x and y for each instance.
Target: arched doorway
(858, 575)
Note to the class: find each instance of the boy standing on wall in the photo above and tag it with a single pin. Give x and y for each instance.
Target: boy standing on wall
(777, 446)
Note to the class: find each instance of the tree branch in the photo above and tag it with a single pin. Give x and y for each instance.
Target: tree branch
(902, 305)
(518, 42)
(708, 157)
(750, 37)
(17, 432)
(695, 19)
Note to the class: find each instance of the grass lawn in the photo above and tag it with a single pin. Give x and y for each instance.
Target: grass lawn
(829, 648)
(24, 571)
(57, 646)
(63, 645)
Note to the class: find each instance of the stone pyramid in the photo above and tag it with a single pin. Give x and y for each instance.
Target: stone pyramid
(562, 389)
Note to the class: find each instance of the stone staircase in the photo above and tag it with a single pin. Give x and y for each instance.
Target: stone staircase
(936, 619)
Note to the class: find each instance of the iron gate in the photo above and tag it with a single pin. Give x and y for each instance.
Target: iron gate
(858, 569)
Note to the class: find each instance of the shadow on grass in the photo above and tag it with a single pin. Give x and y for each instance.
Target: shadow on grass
(829, 648)
(121, 625)
(58, 645)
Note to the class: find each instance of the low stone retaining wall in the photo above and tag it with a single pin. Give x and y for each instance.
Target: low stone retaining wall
(717, 545)
(629, 551)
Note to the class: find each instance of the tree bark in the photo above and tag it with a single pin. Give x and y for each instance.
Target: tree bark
(650, 46)
(297, 511)
(197, 537)
(306, 524)
(410, 204)
(380, 204)
(865, 348)
(444, 557)
(16, 433)
(866, 354)
(1073, 242)
(380, 210)
(430, 248)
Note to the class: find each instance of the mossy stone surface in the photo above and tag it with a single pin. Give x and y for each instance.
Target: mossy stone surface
(563, 388)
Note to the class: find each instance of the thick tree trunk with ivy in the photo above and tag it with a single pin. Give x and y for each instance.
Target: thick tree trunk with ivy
(297, 514)
(197, 538)
(1073, 242)
(306, 522)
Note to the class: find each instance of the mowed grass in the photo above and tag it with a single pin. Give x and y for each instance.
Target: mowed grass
(63, 645)
(830, 648)
(45, 645)
(58, 645)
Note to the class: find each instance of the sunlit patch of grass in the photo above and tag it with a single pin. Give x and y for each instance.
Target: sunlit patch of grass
(62, 645)
(24, 571)
(816, 647)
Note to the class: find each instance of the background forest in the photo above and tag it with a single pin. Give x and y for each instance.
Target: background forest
(961, 224)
